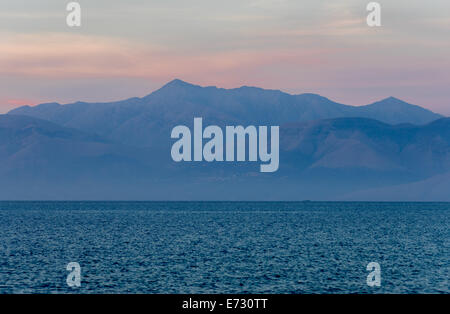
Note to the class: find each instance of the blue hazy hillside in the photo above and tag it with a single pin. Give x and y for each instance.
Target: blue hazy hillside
(145, 121)
(42, 160)
(370, 144)
(121, 150)
(339, 158)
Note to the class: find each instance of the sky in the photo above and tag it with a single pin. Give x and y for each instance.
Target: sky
(130, 48)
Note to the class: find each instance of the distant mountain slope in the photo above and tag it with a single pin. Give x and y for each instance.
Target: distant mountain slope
(142, 121)
(395, 111)
(38, 157)
(367, 143)
(436, 188)
(319, 160)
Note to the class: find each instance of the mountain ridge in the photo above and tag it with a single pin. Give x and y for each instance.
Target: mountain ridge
(134, 120)
(121, 150)
(319, 160)
(183, 85)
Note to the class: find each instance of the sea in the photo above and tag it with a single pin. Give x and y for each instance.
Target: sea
(224, 247)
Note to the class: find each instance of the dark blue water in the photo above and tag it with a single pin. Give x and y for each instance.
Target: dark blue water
(158, 247)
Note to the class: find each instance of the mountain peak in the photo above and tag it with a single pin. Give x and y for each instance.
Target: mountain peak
(396, 111)
(392, 99)
(178, 83)
(173, 86)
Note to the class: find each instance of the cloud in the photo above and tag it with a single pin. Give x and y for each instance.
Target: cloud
(76, 56)
(315, 46)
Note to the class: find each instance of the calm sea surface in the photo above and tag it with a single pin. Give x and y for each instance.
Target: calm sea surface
(224, 247)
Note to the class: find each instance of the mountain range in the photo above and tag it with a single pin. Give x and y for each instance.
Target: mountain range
(121, 150)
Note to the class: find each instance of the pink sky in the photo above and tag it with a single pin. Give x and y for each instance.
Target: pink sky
(312, 47)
